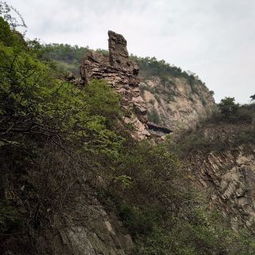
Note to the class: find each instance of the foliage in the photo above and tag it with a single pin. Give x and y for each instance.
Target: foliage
(252, 97)
(8, 12)
(50, 130)
(162, 212)
(153, 67)
(228, 107)
(151, 168)
(137, 221)
(102, 100)
(34, 101)
(245, 114)
(231, 112)
(223, 138)
(66, 57)
(8, 37)
(153, 116)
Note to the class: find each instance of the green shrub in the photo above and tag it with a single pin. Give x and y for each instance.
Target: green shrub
(153, 116)
(10, 38)
(228, 107)
(137, 221)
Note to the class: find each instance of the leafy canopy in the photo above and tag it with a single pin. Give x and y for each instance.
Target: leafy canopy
(228, 107)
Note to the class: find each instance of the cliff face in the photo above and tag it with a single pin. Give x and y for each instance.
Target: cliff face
(231, 178)
(70, 185)
(177, 104)
(172, 105)
(86, 228)
(227, 174)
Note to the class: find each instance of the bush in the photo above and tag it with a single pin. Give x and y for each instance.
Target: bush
(137, 221)
(52, 134)
(153, 116)
(233, 113)
(228, 107)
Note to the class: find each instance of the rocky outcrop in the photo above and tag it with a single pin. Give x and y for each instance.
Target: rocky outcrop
(83, 227)
(122, 74)
(176, 103)
(230, 177)
(118, 54)
(90, 230)
(227, 176)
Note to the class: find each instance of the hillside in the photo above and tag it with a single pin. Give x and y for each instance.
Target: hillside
(174, 98)
(82, 168)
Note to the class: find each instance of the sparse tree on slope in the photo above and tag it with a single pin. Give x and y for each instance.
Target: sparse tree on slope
(228, 107)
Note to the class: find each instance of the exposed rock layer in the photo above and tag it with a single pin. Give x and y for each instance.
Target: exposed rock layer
(118, 54)
(88, 230)
(179, 105)
(228, 177)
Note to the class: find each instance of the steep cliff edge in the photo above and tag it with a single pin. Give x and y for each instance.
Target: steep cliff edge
(86, 228)
(180, 102)
(174, 98)
(230, 179)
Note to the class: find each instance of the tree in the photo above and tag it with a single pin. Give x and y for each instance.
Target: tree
(228, 107)
(8, 13)
(252, 97)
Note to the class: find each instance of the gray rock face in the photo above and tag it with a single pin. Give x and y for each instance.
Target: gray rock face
(87, 229)
(235, 187)
(228, 177)
(177, 105)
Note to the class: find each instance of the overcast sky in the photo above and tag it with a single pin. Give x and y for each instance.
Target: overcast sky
(213, 38)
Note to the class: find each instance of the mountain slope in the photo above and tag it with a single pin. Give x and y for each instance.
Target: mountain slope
(174, 99)
(74, 178)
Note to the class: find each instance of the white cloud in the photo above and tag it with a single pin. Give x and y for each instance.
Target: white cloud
(215, 39)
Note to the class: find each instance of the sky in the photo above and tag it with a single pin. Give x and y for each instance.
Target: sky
(213, 38)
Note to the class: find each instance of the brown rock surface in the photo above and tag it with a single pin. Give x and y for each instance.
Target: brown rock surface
(118, 54)
(121, 73)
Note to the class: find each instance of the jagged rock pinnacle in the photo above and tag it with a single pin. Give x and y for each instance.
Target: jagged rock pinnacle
(118, 54)
(121, 73)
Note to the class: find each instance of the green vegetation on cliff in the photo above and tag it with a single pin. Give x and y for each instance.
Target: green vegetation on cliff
(229, 127)
(153, 67)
